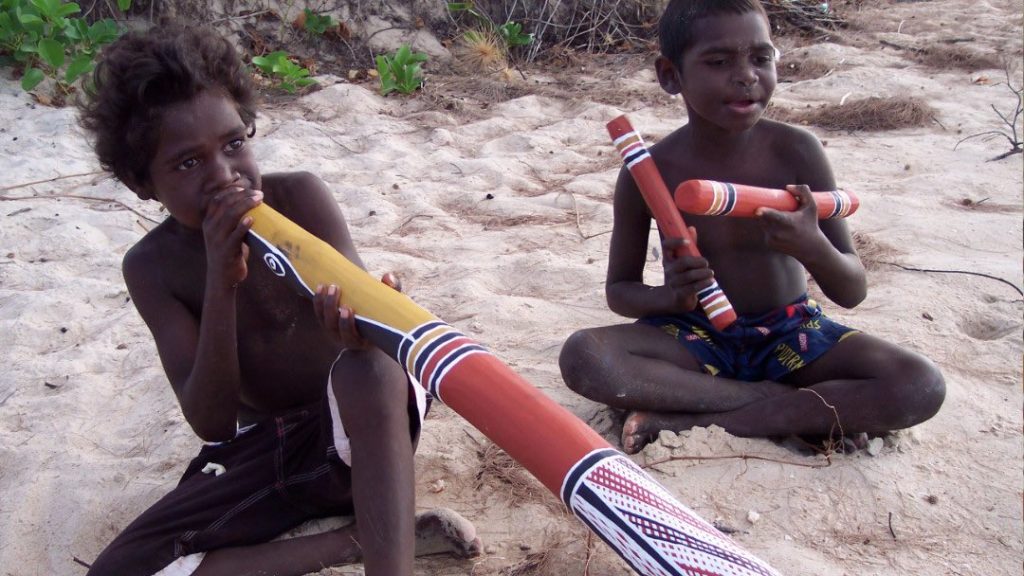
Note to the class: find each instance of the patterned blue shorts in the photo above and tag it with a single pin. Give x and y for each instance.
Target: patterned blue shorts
(764, 347)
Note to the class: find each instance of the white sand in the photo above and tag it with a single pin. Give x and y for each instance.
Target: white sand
(90, 433)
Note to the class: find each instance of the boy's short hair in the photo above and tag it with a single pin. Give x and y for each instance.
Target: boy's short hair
(675, 29)
(141, 74)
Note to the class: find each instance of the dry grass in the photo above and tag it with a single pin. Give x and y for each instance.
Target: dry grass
(948, 55)
(955, 56)
(497, 467)
(535, 564)
(802, 17)
(867, 114)
(481, 52)
(562, 552)
(797, 69)
(603, 26)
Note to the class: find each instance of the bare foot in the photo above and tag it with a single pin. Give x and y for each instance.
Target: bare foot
(641, 428)
(445, 531)
(638, 431)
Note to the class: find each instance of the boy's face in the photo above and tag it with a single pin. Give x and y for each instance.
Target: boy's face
(202, 150)
(727, 76)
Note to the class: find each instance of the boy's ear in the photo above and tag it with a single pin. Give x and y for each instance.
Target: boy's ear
(669, 76)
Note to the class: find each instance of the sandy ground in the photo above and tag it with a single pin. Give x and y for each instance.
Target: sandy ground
(497, 217)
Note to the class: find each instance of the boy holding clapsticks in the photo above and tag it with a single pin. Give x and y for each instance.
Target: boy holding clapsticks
(302, 417)
(782, 367)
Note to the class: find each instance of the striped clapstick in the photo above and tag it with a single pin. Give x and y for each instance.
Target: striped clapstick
(635, 515)
(710, 198)
(640, 164)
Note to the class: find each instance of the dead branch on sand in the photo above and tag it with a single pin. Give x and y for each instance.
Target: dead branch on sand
(1011, 132)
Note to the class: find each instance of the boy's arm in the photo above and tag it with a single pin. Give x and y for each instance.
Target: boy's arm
(625, 290)
(199, 358)
(824, 247)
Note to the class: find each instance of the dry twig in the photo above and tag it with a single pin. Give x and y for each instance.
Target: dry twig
(80, 197)
(969, 272)
(826, 464)
(1011, 133)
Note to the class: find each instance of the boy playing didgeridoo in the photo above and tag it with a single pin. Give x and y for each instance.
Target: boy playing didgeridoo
(302, 417)
(783, 367)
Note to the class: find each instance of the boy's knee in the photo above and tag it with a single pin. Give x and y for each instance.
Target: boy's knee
(931, 387)
(576, 357)
(920, 389)
(370, 378)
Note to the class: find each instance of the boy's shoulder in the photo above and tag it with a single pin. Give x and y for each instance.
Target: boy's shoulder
(148, 248)
(786, 134)
(285, 191)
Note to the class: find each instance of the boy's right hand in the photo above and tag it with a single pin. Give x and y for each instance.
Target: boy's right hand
(685, 275)
(224, 227)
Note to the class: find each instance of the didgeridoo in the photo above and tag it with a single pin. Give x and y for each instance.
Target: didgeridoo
(623, 505)
(710, 198)
(640, 164)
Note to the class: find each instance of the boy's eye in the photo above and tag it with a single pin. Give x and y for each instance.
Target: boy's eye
(717, 62)
(236, 144)
(188, 164)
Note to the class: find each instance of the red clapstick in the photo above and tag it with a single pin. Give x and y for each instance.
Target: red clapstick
(710, 198)
(638, 160)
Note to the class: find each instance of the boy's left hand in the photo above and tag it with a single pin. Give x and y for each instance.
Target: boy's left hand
(795, 233)
(339, 320)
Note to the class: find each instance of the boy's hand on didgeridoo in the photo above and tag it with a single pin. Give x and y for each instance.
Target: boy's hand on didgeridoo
(685, 275)
(795, 233)
(338, 320)
(392, 280)
(224, 227)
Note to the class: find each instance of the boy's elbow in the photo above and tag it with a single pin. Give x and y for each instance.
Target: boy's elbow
(215, 433)
(851, 299)
(211, 429)
(614, 298)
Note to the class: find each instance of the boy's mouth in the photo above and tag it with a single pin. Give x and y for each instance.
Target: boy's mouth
(742, 106)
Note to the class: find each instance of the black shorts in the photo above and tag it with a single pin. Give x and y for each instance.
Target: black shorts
(276, 475)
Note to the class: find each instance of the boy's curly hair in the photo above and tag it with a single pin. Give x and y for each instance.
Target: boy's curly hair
(140, 75)
(675, 29)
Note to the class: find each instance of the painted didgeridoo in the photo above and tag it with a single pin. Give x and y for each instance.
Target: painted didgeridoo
(711, 198)
(620, 502)
(645, 173)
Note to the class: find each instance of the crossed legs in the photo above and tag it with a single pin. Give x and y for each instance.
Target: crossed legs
(863, 384)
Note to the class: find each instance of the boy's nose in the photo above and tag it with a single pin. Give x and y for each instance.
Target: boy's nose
(223, 173)
(745, 75)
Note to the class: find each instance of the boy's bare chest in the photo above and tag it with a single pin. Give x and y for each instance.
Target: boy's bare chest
(284, 355)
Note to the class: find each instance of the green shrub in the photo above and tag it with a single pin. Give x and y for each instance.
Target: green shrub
(41, 37)
(316, 24)
(400, 71)
(285, 74)
(511, 33)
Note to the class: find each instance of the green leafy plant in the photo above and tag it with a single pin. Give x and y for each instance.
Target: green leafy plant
(42, 38)
(316, 24)
(286, 75)
(511, 33)
(400, 71)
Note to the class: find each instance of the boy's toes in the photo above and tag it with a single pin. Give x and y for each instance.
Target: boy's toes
(634, 433)
(445, 531)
